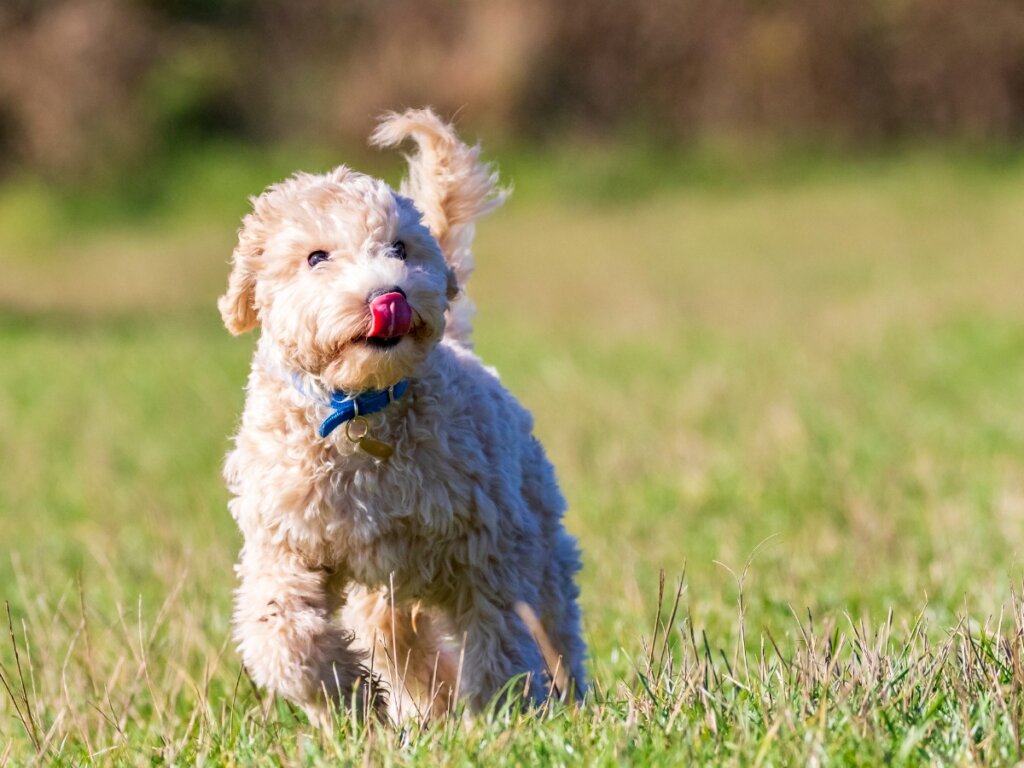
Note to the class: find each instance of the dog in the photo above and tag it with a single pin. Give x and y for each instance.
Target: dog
(402, 526)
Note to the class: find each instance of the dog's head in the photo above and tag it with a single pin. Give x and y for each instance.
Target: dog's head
(343, 277)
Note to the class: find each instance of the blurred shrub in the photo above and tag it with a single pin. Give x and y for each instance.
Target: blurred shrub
(70, 79)
(89, 85)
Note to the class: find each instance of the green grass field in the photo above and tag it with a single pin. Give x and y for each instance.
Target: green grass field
(803, 390)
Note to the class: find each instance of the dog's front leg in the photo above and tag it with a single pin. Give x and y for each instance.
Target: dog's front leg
(288, 641)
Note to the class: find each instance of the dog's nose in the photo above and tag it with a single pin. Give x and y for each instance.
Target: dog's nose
(390, 315)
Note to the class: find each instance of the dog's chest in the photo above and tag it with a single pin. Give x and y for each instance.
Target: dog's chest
(395, 519)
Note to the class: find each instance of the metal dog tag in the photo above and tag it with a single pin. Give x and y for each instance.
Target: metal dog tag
(376, 448)
(358, 432)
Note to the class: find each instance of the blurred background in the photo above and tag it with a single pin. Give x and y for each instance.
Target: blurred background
(100, 86)
(115, 111)
(760, 281)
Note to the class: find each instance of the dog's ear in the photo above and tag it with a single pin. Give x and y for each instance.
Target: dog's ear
(447, 181)
(238, 305)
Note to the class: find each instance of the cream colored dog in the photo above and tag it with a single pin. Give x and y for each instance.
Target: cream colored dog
(402, 525)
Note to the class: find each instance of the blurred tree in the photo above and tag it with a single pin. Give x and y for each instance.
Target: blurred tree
(90, 85)
(71, 72)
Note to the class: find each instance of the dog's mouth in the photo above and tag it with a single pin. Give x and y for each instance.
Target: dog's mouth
(391, 319)
(390, 316)
(379, 342)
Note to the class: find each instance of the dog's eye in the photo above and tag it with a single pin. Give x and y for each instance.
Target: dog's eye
(316, 257)
(397, 250)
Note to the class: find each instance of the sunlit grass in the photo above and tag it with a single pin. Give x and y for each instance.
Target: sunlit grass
(818, 377)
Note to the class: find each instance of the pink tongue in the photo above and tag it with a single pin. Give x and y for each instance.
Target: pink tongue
(392, 316)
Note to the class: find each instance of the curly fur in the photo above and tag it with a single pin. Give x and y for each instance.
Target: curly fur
(408, 572)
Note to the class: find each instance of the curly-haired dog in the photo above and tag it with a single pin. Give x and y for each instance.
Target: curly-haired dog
(401, 522)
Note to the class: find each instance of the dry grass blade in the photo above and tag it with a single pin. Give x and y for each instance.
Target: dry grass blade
(17, 708)
(657, 620)
(665, 645)
(23, 709)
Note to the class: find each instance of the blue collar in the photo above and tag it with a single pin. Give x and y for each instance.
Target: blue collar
(345, 407)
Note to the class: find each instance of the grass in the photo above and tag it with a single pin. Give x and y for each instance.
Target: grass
(804, 391)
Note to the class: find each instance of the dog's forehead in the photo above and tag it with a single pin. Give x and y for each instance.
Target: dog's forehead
(335, 210)
(354, 196)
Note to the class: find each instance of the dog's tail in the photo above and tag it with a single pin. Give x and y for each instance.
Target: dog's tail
(452, 188)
